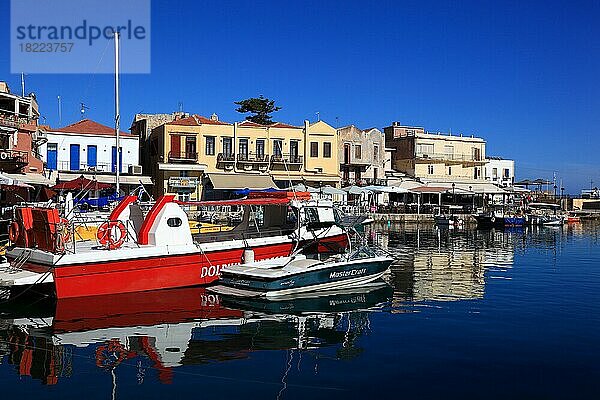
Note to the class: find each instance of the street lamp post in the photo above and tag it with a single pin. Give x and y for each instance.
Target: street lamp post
(472, 194)
(453, 194)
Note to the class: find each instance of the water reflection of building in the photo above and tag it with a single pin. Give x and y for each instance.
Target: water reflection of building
(168, 329)
(444, 265)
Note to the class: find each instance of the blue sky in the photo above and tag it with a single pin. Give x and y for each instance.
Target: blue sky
(523, 75)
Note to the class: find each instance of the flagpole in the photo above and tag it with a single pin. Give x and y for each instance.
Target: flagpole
(117, 115)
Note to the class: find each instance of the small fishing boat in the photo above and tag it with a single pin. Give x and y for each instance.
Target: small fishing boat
(498, 220)
(552, 220)
(297, 274)
(444, 220)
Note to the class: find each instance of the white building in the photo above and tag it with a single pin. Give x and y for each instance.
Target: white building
(499, 171)
(89, 148)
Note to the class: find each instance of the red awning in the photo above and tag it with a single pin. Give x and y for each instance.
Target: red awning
(81, 183)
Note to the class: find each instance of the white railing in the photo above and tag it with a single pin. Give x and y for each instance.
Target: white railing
(99, 167)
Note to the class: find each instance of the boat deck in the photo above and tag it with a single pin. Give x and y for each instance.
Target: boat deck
(276, 267)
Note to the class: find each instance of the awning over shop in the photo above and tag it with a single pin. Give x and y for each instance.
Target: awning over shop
(7, 181)
(330, 190)
(469, 187)
(111, 179)
(481, 188)
(387, 189)
(241, 181)
(31, 178)
(356, 190)
(432, 189)
(81, 183)
(303, 188)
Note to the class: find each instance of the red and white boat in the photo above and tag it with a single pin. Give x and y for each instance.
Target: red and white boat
(137, 251)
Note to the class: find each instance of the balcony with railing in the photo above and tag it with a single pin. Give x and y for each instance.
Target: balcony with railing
(448, 157)
(357, 161)
(252, 158)
(225, 160)
(183, 156)
(13, 160)
(84, 167)
(286, 159)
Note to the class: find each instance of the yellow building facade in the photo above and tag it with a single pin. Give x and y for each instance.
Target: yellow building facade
(433, 157)
(185, 154)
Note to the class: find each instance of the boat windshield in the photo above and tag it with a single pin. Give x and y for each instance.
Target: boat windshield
(362, 252)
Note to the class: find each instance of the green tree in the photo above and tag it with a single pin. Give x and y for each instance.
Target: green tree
(260, 107)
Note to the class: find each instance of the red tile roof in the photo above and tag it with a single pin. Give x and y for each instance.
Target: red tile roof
(273, 125)
(196, 120)
(89, 127)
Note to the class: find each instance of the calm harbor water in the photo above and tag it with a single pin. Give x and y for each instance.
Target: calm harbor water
(465, 314)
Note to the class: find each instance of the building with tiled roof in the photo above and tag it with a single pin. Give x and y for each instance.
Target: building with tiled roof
(185, 152)
(198, 120)
(87, 126)
(89, 147)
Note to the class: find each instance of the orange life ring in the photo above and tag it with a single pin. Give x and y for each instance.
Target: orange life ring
(110, 354)
(111, 234)
(13, 232)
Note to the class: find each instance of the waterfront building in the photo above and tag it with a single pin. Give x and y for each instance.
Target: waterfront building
(20, 137)
(89, 148)
(362, 156)
(142, 127)
(500, 172)
(191, 154)
(436, 157)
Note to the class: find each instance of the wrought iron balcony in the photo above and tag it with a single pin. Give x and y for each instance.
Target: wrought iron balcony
(286, 159)
(183, 156)
(253, 158)
(13, 160)
(448, 157)
(225, 158)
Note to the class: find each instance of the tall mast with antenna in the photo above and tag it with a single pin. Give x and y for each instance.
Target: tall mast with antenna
(117, 115)
(59, 112)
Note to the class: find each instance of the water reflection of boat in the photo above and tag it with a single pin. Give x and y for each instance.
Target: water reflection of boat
(162, 330)
(341, 300)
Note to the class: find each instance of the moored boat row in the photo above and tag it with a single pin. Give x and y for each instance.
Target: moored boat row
(140, 251)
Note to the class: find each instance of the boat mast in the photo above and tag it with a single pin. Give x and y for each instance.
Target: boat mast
(117, 115)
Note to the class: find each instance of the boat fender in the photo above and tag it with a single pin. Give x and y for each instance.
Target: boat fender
(13, 232)
(112, 234)
(248, 256)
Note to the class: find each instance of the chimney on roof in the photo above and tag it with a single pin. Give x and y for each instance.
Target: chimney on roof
(396, 123)
(214, 117)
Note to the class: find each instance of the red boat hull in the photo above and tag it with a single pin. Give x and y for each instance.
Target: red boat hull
(154, 273)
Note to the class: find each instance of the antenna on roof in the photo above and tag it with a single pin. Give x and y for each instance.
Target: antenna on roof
(83, 108)
(59, 112)
(22, 84)
(180, 106)
(318, 116)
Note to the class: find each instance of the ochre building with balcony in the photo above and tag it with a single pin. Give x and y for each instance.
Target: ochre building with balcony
(362, 156)
(435, 157)
(19, 137)
(189, 155)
